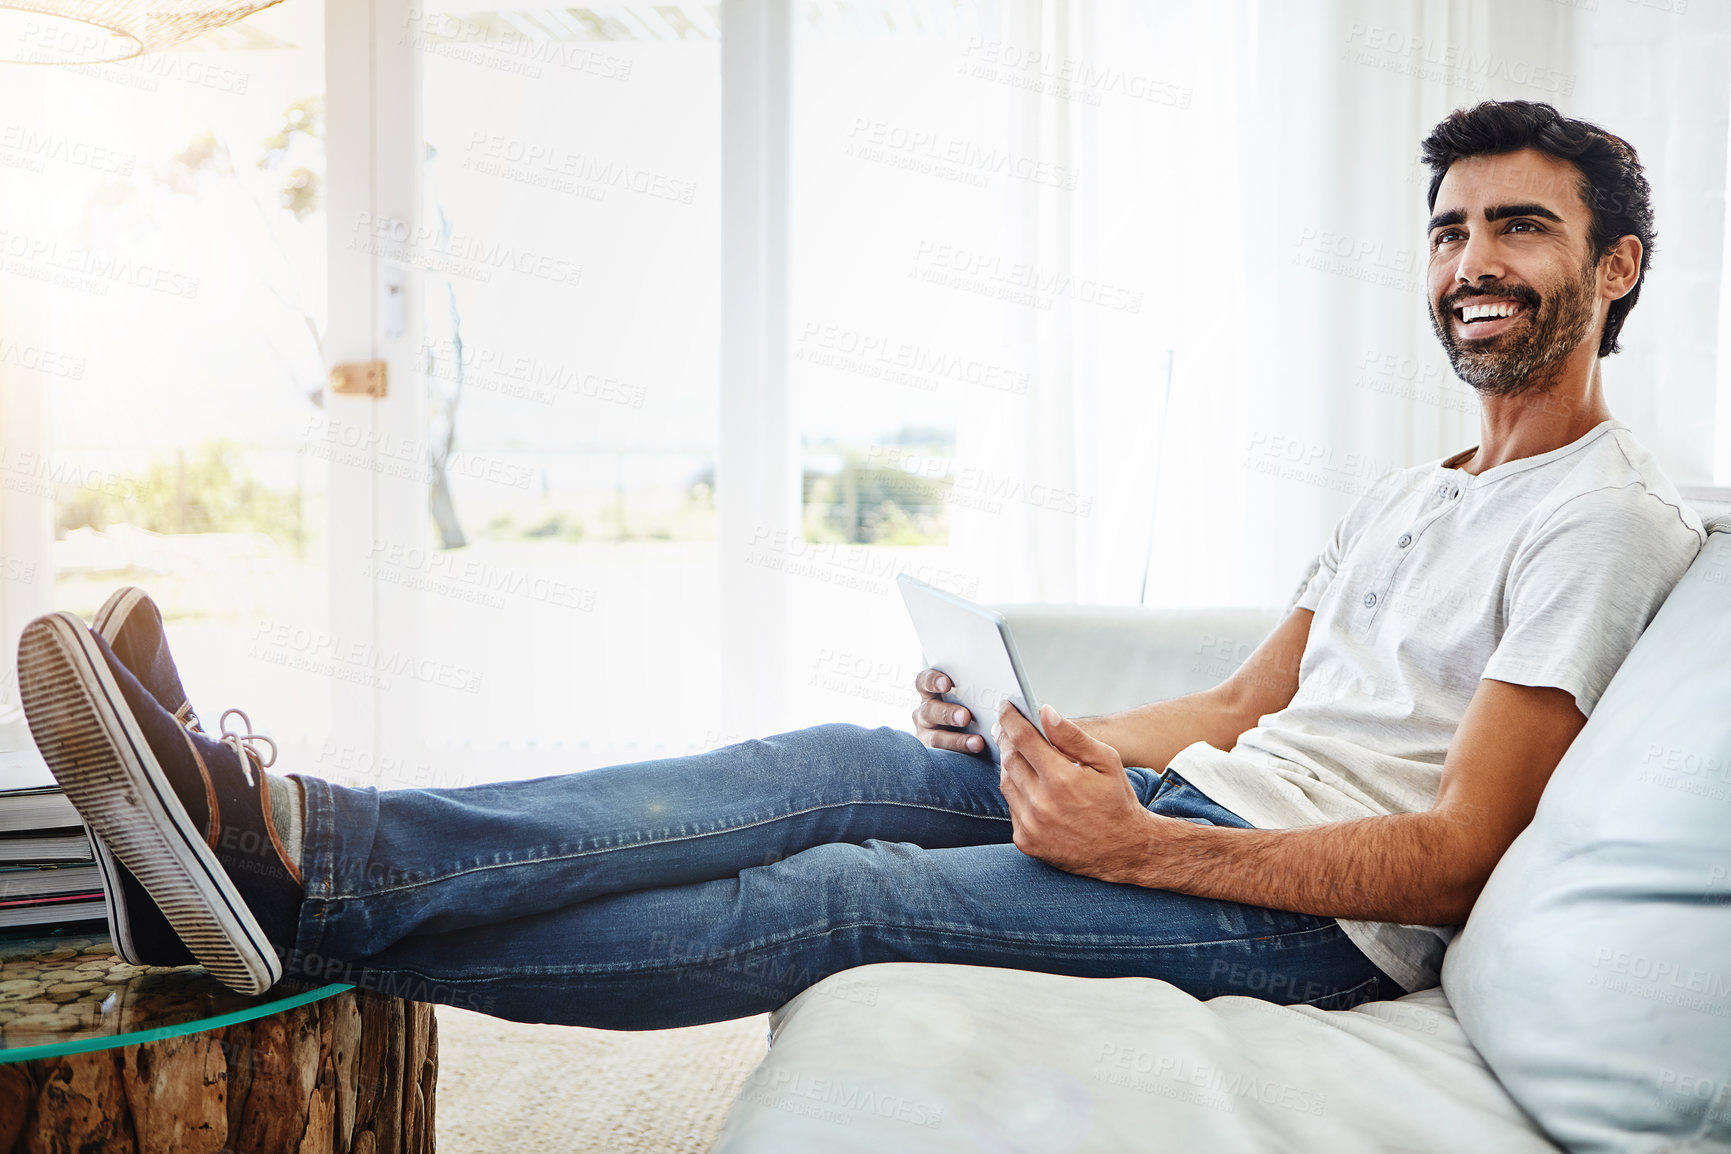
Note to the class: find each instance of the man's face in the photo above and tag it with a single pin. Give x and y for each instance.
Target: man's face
(1514, 288)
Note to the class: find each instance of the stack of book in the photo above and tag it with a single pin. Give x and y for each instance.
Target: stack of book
(48, 875)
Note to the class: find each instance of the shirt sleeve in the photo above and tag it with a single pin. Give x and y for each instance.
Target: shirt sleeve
(1584, 586)
(1323, 569)
(1326, 565)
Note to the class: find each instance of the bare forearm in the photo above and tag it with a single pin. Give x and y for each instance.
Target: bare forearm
(1409, 868)
(1150, 735)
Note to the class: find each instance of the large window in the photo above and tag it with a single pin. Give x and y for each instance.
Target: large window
(163, 283)
(570, 288)
(695, 345)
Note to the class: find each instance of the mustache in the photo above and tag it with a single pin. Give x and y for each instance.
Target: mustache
(1521, 294)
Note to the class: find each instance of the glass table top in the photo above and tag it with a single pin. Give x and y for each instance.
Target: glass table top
(65, 992)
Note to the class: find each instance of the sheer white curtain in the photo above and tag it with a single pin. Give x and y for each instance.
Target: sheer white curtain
(26, 325)
(1251, 170)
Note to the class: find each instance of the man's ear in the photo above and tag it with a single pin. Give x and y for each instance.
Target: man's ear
(1621, 266)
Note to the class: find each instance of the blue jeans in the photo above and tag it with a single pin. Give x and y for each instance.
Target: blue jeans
(697, 889)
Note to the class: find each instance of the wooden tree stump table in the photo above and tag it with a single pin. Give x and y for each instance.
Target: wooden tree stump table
(99, 1055)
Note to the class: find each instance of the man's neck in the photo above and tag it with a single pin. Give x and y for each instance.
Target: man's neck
(1536, 421)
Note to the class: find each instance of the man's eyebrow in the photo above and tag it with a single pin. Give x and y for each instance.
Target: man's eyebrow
(1504, 211)
(1495, 212)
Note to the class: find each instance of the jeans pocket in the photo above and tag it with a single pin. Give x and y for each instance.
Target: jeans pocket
(1369, 990)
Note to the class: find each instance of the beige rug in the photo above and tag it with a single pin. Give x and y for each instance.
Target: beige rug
(508, 1087)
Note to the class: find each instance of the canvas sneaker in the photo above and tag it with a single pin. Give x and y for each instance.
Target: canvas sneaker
(187, 814)
(132, 625)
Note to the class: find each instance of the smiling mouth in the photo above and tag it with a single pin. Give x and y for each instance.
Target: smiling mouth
(1484, 317)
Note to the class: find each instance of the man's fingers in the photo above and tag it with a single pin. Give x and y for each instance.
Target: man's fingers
(932, 681)
(960, 742)
(1012, 779)
(941, 713)
(1067, 748)
(1073, 742)
(1013, 730)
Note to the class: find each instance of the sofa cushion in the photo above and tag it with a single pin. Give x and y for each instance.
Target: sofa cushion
(917, 1057)
(1594, 974)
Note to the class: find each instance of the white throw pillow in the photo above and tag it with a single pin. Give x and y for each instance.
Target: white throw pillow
(1594, 974)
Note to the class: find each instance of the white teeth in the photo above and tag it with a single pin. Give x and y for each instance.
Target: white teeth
(1499, 309)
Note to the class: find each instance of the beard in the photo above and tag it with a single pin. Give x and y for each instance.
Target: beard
(1530, 357)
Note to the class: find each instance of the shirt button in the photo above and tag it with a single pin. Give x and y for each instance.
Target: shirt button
(1405, 540)
(1370, 600)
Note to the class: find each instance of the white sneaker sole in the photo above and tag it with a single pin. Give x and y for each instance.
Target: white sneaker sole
(107, 623)
(98, 753)
(114, 611)
(119, 926)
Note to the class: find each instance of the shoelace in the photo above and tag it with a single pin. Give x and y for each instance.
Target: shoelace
(241, 743)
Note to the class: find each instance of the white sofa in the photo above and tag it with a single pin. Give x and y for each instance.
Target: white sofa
(1586, 1005)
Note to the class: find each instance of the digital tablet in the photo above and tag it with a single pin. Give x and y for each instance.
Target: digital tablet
(971, 645)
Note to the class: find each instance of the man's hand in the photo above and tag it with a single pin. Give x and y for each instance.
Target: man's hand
(937, 722)
(1070, 801)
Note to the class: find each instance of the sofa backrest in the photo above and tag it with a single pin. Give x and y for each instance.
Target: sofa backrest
(1594, 974)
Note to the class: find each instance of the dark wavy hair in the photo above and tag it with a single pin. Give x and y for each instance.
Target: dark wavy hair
(1613, 185)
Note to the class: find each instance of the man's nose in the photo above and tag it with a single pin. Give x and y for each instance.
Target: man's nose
(1480, 259)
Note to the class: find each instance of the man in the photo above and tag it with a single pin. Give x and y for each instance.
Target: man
(1324, 818)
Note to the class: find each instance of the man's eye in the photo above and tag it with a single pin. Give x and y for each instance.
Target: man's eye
(1447, 234)
(1522, 224)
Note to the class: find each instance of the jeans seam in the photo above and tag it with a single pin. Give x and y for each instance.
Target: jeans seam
(1373, 982)
(537, 861)
(318, 864)
(1010, 942)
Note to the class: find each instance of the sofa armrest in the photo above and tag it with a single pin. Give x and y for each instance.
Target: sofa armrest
(1092, 659)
